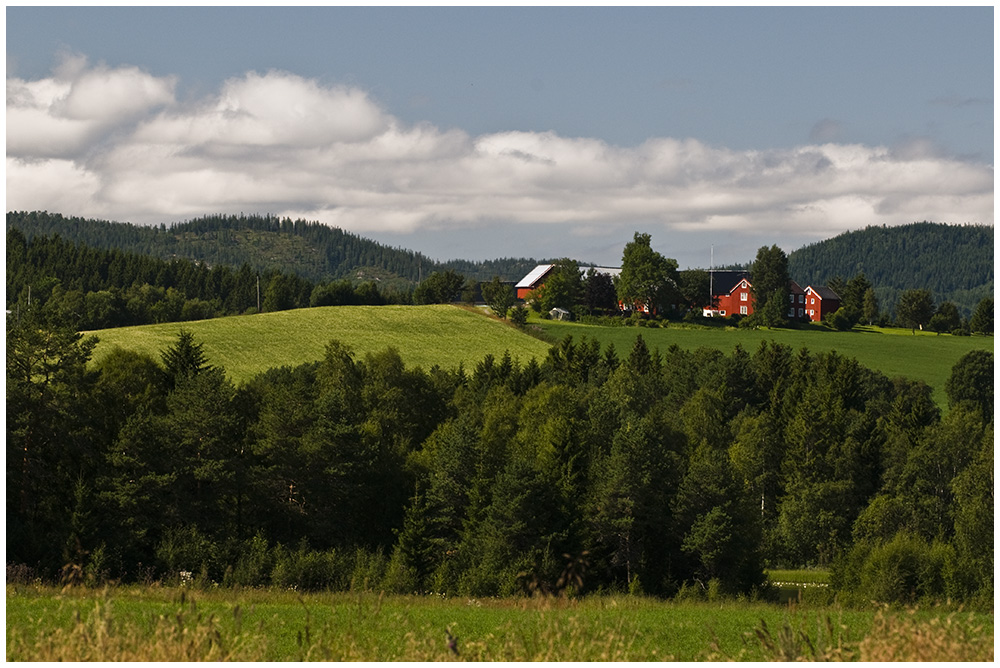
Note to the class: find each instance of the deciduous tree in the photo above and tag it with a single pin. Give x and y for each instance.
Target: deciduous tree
(647, 278)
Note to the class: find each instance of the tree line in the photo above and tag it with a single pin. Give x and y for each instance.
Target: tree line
(645, 470)
(954, 262)
(93, 288)
(316, 252)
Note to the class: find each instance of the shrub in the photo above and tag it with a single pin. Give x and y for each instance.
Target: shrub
(369, 570)
(307, 569)
(905, 569)
(253, 565)
(184, 549)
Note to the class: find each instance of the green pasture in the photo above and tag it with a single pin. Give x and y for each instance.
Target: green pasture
(249, 344)
(46, 623)
(895, 352)
(449, 335)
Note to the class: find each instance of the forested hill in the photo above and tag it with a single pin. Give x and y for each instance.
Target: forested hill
(311, 250)
(954, 262)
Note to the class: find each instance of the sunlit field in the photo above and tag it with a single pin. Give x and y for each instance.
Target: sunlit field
(249, 344)
(153, 623)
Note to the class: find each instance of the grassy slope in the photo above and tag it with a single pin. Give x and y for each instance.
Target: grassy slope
(894, 352)
(447, 336)
(423, 335)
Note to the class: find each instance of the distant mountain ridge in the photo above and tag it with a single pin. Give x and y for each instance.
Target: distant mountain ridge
(954, 262)
(312, 250)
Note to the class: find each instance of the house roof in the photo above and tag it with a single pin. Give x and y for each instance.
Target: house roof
(823, 292)
(534, 276)
(610, 271)
(723, 282)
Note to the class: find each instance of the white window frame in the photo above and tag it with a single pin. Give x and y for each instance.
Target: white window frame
(743, 310)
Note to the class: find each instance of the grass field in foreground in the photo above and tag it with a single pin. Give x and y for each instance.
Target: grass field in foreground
(153, 623)
(895, 352)
(249, 344)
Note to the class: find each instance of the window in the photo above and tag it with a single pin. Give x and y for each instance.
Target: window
(791, 298)
(722, 313)
(812, 300)
(791, 312)
(743, 310)
(743, 296)
(800, 313)
(802, 299)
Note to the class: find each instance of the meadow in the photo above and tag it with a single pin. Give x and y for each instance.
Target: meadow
(894, 352)
(249, 344)
(178, 624)
(447, 336)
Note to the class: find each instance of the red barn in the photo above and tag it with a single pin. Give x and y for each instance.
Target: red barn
(534, 280)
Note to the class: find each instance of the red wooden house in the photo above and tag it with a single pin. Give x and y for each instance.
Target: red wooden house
(820, 301)
(732, 293)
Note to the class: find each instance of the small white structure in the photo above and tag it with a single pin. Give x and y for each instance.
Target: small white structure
(559, 314)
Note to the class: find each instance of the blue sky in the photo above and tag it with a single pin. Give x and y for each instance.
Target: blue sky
(487, 132)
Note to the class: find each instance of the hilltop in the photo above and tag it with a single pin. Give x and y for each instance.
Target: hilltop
(954, 262)
(424, 336)
(312, 250)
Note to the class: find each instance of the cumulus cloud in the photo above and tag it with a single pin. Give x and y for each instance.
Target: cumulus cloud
(70, 113)
(117, 144)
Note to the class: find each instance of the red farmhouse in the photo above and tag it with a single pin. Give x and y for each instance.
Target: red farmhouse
(732, 294)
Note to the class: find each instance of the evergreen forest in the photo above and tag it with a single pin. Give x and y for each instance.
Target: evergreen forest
(655, 471)
(313, 251)
(953, 262)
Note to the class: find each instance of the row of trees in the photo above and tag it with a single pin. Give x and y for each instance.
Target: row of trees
(96, 289)
(653, 470)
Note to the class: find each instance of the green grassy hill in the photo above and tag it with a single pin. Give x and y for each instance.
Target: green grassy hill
(423, 335)
(895, 352)
(449, 335)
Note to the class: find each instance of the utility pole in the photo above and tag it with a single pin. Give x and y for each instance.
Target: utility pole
(258, 293)
(711, 279)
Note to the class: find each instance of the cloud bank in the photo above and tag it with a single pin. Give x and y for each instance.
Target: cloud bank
(119, 144)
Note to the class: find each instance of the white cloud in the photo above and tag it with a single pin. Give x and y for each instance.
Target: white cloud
(116, 144)
(68, 114)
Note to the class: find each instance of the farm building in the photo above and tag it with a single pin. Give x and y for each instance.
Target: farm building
(732, 294)
(536, 277)
(820, 301)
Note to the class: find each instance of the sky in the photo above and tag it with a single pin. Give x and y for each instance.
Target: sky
(479, 133)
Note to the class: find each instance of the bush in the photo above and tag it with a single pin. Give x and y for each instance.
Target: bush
(906, 569)
(369, 570)
(184, 549)
(842, 320)
(253, 565)
(307, 569)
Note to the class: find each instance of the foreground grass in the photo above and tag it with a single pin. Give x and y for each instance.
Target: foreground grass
(133, 623)
(895, 352)
(247, 345)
